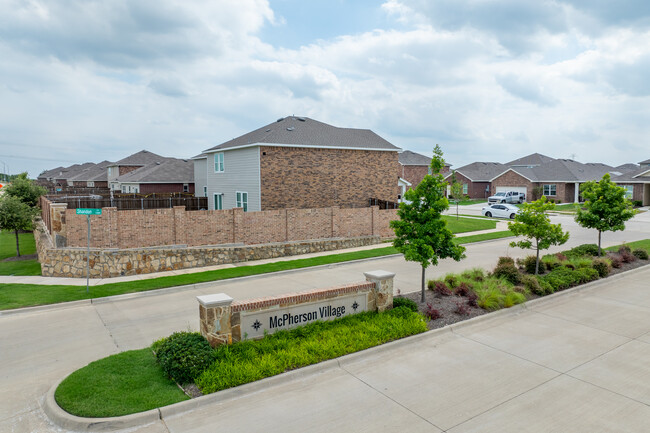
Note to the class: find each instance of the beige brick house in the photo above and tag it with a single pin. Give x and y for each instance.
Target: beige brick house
(298, 162)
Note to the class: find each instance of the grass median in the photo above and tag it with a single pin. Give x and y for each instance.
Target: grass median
(133, 381)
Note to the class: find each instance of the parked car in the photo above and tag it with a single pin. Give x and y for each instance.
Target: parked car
(507, 197)
(500, 211)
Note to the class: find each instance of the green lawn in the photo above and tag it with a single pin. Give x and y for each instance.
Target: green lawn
(8, 249)
(645, 244)
(469, 201)
(464, 225)
(121, 384)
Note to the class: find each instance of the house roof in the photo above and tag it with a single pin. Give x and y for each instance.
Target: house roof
(143, 157)
(48, 174)
(647, 161)
(97, 173)
(171, 170)
(481, 171)
(624, 168)
(564, 170)
(411, 158)
(306, 132)
(70, 172)
(532, 159)
(635, 176)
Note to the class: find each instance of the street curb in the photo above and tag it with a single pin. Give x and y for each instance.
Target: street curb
(62, 305)
(66, 420)
(71, 422)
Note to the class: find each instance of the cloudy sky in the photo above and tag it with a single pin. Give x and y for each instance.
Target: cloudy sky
(490, 80)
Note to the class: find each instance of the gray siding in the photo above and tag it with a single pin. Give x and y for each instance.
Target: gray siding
(200, 176)
(241, 173)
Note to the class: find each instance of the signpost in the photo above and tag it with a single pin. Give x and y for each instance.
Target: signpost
(88, 212)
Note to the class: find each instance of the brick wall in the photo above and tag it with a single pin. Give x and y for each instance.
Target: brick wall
(510, 178)
(474, 189)
(316, 178)
(163, 227)
(414, 173)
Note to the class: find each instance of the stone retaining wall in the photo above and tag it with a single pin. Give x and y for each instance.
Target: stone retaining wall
(71, 262)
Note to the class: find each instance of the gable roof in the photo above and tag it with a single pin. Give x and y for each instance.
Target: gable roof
(481, 171)
(48, 174)
(72, 171)
(532, 159)
(647, 161)
(407, 157)
(171, 170)
(624, 168)
(563, 170)
(143, 157)
(95, 173)
(306, 132)
(640, 175)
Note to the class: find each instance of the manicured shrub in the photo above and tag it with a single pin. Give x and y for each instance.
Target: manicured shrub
(184, 355)
(584, 275)
(551, 262)
(626, 255)
(616, 261)
(624, 248)
(490, 298)
(405, 302)
(462, 309)
(475, 274)
(601, 266)
(451, 280)
(640, 253)
(472, 299)
(529, 263)
(637, 203)
(508, 271)
(506, 260)
(513, 298)
(583, 250)
(431, 313)
(580, 262)
(531, 283)
(463, 289)
(441, 289)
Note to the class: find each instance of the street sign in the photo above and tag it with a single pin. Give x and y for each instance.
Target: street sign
(89, 211)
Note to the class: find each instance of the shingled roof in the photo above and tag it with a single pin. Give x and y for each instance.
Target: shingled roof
(481, 171)
(533, 159)
(144, 157)
(411, 158)
(169, 171)
(96, 173)
(564, 170)
(306, 132)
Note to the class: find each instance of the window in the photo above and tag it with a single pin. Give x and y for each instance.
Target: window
(90, 184)
(205, 191)
(629, 191)
(465, 187)
(242, 200)
(218, 162)
(186, 188)
(218, 201)
(549, 190)
(124, 188)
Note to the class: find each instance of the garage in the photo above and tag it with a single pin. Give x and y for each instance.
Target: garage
(519, 189)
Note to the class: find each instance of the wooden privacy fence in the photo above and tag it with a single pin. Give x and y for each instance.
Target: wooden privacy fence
(123, 203)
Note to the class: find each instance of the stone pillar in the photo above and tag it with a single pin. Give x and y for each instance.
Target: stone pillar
(57, 221)
(214, 317)
(383, 290)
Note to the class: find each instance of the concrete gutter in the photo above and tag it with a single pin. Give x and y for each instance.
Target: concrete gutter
(63, 419)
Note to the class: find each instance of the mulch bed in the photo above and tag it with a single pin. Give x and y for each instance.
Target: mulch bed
(447, 305)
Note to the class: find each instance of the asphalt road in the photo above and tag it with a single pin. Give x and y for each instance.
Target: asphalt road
(39, 347)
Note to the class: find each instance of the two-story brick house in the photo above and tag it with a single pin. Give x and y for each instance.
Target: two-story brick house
(298, 162)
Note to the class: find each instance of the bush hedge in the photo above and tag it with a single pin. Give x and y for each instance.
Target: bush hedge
(640, 253)
(405, 302)
(184, 355)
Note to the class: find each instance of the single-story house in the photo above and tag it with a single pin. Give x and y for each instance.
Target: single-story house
(169, 175)
(92, 177)
(530, 161)
(558, 179)
(298, 162)
(636, 183)
(476, 177)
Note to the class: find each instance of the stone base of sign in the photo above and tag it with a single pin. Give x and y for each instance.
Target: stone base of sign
(223, 321)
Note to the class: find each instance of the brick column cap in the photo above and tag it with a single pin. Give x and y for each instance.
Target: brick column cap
(379, 275)
(216, 300)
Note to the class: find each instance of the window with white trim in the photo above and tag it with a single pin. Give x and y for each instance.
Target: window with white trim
(218, 163)
(218, 201)
(124, 188)
(465, 188)
(629, 191)
(242, 200)
(186, 187)
(90, 184)
(549, 190)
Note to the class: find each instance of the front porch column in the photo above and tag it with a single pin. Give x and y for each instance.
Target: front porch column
(576, 192)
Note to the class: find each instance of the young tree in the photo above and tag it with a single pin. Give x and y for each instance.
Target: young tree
(533, 223)
(26, 190)
(606, 208)
(456, 190)
(421, 233)
(15, 215)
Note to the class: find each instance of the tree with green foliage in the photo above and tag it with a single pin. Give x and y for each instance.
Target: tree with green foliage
(456, 190)
(533, 223)
(25, 189)
(421, 233)
(605, 208)
(15, 216)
